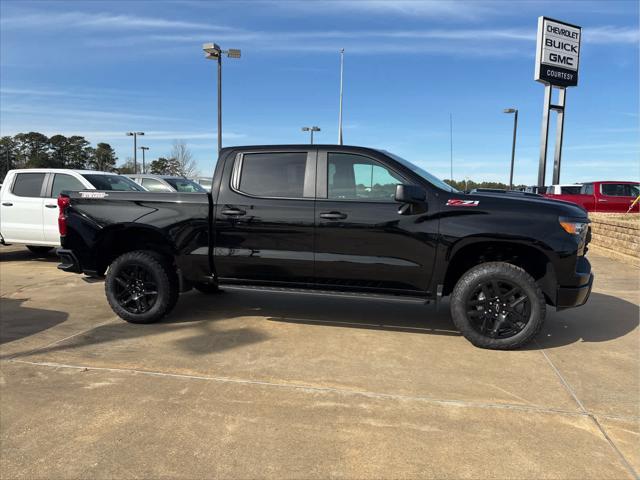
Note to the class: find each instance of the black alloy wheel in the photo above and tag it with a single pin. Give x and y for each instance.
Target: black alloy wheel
(135, 288)
(498, 308)
(142, 286)
(498, 305)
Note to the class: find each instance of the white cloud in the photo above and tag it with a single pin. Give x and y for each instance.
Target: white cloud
(100, 21)
(610, 35)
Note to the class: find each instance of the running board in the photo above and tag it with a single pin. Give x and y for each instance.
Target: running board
(329, 293)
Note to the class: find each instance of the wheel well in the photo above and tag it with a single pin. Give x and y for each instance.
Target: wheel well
(118, 241)
(530, 259)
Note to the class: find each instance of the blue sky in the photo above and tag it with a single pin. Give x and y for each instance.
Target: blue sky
(99, 69)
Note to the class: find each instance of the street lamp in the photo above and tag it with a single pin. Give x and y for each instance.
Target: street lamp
(135, 149)
(144, 149)
(513, 147)
(311, 130)
(212, 51)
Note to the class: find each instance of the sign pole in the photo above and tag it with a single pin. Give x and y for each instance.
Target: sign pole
(562, 95)
(557, 65)
(542, 167)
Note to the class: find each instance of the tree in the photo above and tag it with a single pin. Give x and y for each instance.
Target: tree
(78, 152)
(165, 166)
(103, 158)
(182, 155)
(58, 151)
(32, 150)
(126, 167)
(8, 155)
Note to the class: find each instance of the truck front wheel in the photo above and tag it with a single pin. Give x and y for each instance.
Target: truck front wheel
(498, 305)
(141, 287)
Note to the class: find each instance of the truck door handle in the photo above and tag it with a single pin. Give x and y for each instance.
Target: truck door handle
(602, 200)
(7, 204)
(233, 212)
(49, 205)
(333, 215)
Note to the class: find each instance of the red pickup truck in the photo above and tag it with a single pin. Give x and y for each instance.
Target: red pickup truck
(609, 196)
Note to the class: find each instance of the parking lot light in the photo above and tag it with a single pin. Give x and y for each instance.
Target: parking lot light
(212, 51)
(144, 149)
(135, 149)
(311, 130)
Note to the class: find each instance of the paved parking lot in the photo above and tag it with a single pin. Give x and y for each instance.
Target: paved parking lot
(250, 385)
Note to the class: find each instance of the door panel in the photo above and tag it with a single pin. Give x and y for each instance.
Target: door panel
(264, 218)
(21, 209)
(361, 240)
(60, 182)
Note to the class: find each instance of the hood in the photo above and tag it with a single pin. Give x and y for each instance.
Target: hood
(526, 201)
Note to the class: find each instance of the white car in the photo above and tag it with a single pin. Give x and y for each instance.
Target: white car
(564, 189)
(29, 206)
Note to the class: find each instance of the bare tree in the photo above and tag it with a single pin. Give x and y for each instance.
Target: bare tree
(184, 159)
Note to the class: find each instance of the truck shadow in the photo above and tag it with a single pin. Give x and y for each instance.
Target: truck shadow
(21, 254)
(18, 321)
(193, 326)
(602, 319)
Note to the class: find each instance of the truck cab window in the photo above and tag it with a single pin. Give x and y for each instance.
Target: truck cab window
(62, 182)
(28, 184)
(618, 189)
(273, 174)
(354, 177)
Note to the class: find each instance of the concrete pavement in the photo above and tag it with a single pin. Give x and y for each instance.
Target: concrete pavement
(257, 385)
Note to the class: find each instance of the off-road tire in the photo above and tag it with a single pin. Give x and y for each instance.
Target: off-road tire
(163, 275)
(39, 251)
(502, 272)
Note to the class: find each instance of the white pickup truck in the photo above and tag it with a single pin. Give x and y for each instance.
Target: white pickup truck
(28, 202)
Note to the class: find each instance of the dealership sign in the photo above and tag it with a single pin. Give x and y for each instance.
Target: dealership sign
(557, 52)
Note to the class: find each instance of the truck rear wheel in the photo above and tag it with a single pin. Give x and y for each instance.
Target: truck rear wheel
(497, 305)
(141, 287)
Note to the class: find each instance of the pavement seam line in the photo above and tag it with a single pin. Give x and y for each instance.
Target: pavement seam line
(568, 387)
(311, 388)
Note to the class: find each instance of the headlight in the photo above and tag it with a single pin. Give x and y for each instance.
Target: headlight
(574, 227)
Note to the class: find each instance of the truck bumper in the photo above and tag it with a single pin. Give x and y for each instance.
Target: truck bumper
(69, 261)
(577, 295)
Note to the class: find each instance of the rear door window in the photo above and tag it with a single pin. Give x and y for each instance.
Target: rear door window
(273, 174)
(570, 190)
(28, 184)
(62, 182)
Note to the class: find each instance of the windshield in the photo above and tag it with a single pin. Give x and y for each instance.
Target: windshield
(423, 173)
(184, 185)
(113, 182)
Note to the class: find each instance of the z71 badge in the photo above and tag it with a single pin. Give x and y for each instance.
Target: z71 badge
(455, 202)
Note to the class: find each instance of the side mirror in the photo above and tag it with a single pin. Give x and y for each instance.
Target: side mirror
(413, 199)
(410, 194)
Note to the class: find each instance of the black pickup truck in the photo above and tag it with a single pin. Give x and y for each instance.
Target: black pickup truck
(338, 219)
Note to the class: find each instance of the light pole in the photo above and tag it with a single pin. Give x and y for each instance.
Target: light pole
(513, 147)
(311, 130)
(135, 149)
(212, 51)
(341, 92)
(144, 149)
